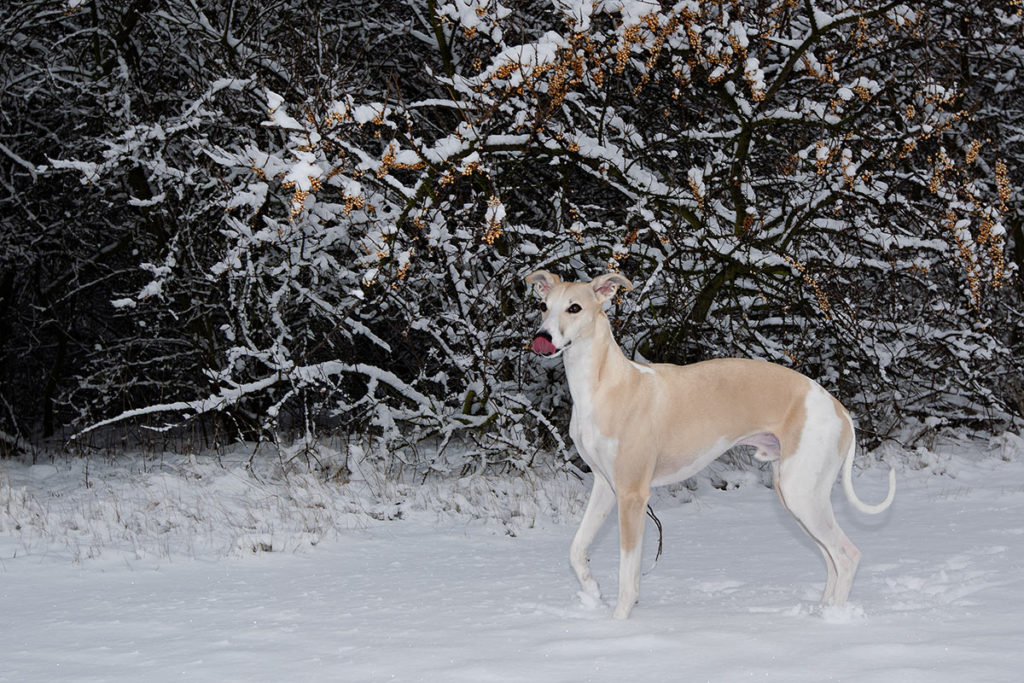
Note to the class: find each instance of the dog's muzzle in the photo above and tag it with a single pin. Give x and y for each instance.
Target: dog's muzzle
(543, 345)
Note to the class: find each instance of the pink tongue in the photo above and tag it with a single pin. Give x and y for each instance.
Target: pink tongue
(543, 346)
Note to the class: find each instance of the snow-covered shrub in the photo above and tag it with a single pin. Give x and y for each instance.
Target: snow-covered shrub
(348, 208)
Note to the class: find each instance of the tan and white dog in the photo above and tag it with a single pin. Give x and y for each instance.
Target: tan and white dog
(640, 425)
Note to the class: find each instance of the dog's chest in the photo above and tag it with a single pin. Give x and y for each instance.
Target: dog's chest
(597, 450)
(596, 440)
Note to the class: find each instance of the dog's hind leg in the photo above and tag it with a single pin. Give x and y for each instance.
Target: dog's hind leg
(806, 493)
(602, 500)
(830, 583)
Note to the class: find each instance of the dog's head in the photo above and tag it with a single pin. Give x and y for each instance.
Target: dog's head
(570, 308)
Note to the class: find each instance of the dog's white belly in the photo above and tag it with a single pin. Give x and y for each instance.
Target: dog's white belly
(600, 451)
(690, 466)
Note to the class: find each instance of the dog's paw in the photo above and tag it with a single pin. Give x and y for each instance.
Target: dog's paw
(622, 611)
(590, 600)
(847, 614)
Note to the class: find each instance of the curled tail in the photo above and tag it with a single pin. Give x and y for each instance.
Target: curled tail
(851, 495)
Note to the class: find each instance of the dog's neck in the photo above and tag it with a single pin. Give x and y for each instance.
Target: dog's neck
(593, 359)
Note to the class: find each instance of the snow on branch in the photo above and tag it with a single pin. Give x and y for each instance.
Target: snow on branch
(296, 376)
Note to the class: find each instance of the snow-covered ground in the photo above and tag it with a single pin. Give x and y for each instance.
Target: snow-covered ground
(169, 569)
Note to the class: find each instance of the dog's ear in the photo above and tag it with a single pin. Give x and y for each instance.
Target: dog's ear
(543, 280)
(605, 286)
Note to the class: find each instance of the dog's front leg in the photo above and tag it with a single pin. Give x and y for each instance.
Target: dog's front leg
(632, 505)
(602, 500)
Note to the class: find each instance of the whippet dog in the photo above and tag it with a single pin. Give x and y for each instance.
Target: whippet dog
(639, 425)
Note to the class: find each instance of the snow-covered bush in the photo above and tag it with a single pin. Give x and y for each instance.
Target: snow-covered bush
(348, 198)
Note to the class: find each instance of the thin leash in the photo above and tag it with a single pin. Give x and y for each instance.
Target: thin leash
(657, 523)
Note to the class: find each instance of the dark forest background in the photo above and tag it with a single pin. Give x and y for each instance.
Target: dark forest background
(235, 219)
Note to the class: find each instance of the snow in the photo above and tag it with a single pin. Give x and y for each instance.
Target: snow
(304, 172)
(822, 19)
(278, 117)
(365, 113)
(88, 169)
(474, 15)
(167, 567)
(754, 74)
(577, 11)
(695, 177)
(528, 56)
(631, 11)
(495, 214)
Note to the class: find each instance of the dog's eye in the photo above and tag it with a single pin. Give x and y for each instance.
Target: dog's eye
(575, 308)
(543, 306)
